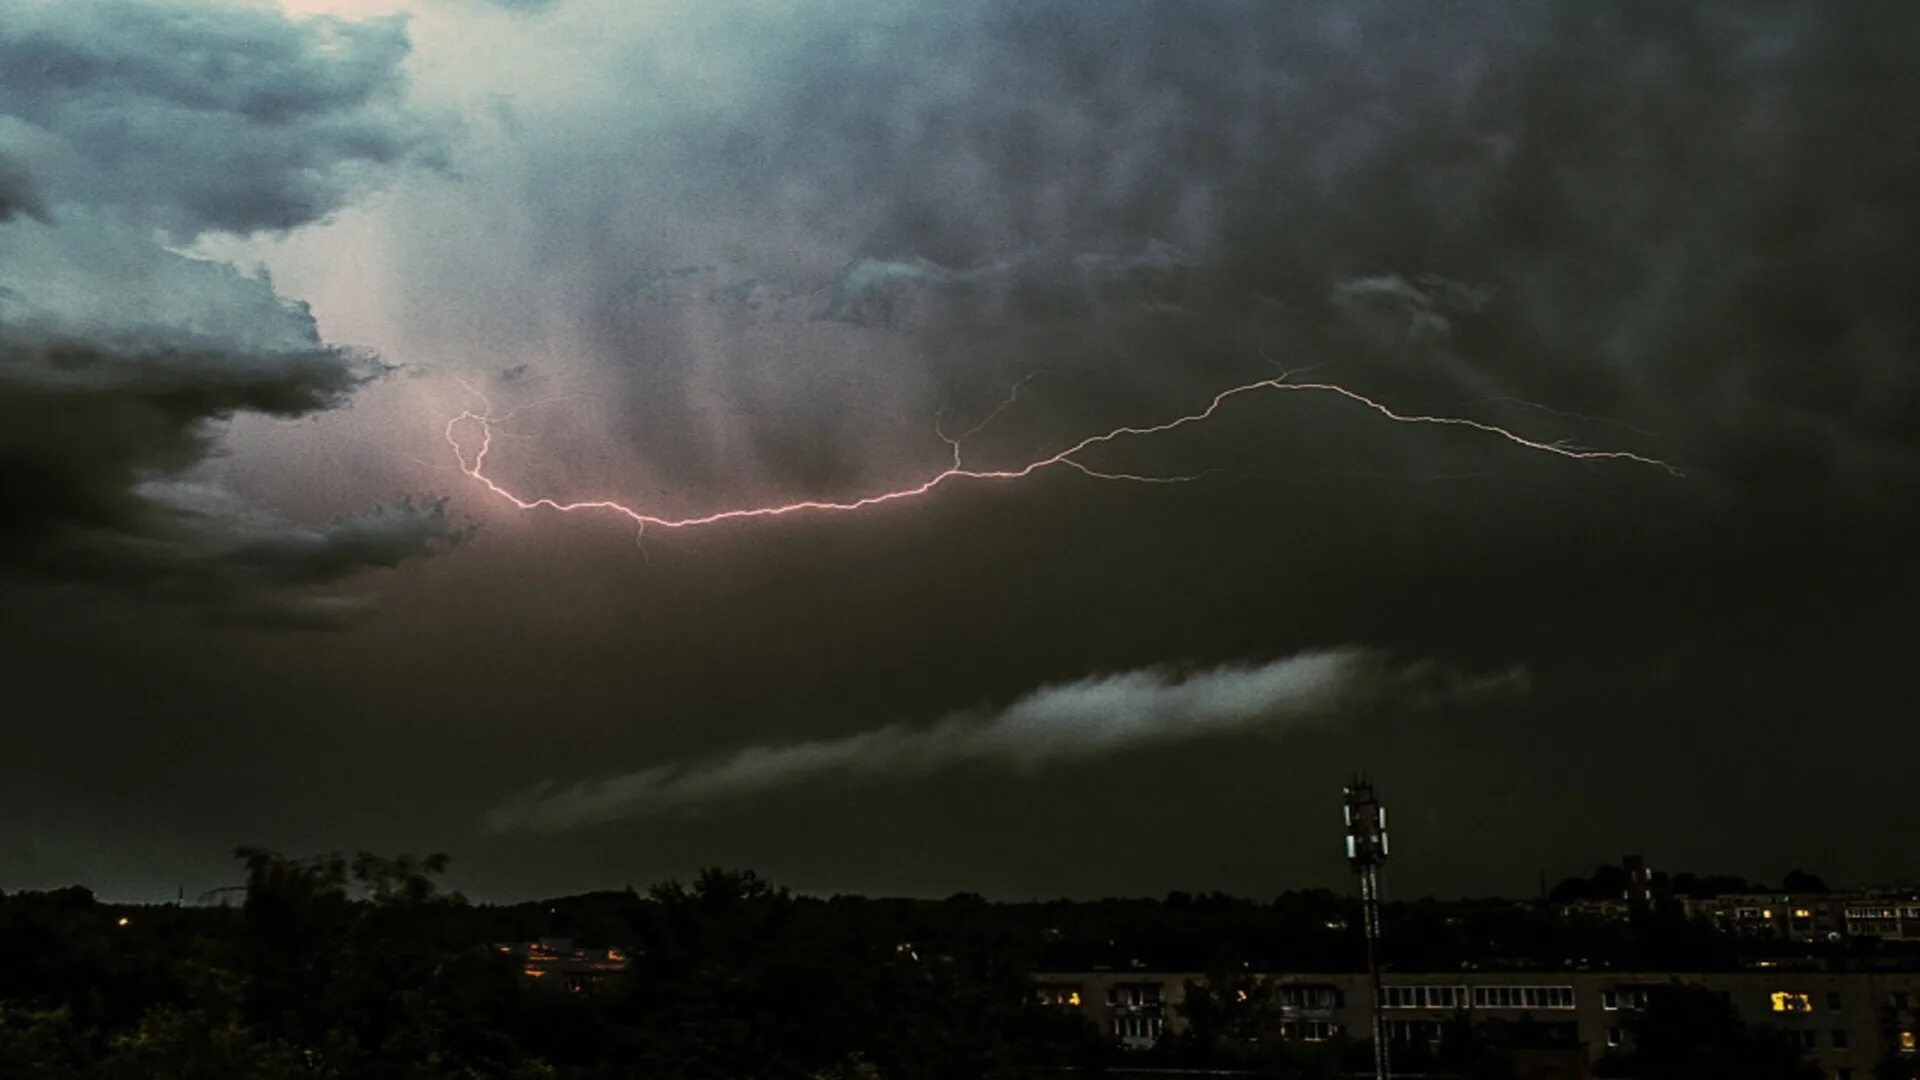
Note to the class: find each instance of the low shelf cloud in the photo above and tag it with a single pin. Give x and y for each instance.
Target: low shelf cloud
(1057, 724)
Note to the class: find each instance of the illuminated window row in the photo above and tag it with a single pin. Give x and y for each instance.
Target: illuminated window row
(1137, 1027)
(1479, 997)
(1623, 999)
(1423, 997)
(1134, 994)
(1310, 997)
(1310, 1030)
(1412, 1031)
(1523, 997)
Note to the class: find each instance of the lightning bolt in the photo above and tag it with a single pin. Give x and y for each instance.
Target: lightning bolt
(479, 428)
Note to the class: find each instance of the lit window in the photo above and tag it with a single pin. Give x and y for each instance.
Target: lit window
(1073, 998)
(1787, 1001)
(1906, 1042)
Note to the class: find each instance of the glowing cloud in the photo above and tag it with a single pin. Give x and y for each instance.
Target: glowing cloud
(1065, 722)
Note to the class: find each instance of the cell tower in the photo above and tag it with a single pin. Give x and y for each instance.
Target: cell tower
(1366, 851)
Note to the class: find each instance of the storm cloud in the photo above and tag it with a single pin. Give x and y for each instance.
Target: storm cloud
(724, 255)
(1655, 205)
(1054, 725)
(194, 116)
(120, 358)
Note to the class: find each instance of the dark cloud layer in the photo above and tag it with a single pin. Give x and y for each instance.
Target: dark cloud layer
(1650, 227)
(189, 117)
(1664, 215)
(120, 358)
(754, 251)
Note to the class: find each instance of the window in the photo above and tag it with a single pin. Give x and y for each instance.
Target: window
(1616, 1037)
(1422, 997)
(1523, 997)
(1843, 1074)
(1623, 998)
(1137, 1027)
(1310, 997)
(1319, 1030)
(1906, 1042)
(1133, 995)
(1839, 1038)
(1833, 1001)
(1551, 997)
(1409, 1031)
(1060, 995)
(1900, 999)
(1786, 1001)
(1808, 1039)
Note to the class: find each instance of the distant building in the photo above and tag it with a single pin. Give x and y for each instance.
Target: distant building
(1601, 910)
(1892, 916)
(1771, 916)
(1847, 1022)
(1639, 895)
(557, 964)
(1810, 917)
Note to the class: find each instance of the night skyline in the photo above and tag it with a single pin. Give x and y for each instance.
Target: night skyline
(1637, 578)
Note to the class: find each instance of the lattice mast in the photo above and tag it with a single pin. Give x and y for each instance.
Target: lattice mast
(1366, 851)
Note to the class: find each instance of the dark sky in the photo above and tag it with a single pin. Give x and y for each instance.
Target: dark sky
(253, 259)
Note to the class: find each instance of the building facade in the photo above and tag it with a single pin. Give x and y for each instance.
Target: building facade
(559, 964)
(1847, 1021)
(1776, 916)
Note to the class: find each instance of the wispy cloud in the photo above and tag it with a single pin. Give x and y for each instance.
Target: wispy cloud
(1055, 724)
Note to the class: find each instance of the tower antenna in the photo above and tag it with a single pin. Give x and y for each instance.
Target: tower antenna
(1366, 851)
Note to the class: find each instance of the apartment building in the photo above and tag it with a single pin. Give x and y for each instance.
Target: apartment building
(1847, 1021)
(559, 964)
(1884, 914)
